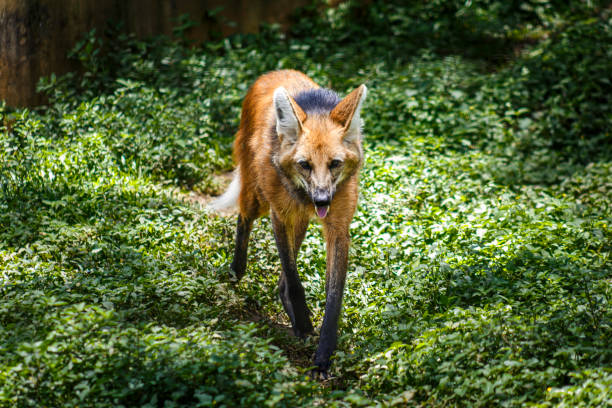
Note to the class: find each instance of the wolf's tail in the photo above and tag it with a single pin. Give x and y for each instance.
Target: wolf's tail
(229, 199)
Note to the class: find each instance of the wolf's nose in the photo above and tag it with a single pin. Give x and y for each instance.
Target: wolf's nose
(321, 198)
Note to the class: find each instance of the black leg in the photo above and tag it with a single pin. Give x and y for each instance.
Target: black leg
(243, 230)
(337, 258)
(290, 288)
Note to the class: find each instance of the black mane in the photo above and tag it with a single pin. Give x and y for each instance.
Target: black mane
(319, 100)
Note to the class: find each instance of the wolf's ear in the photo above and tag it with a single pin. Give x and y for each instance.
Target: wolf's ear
(289, 116)
(348, 113)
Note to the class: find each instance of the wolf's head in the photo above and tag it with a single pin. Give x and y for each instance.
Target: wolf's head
(320, 141)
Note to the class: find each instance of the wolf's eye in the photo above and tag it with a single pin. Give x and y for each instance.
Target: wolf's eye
(304, 164)
(335, 163)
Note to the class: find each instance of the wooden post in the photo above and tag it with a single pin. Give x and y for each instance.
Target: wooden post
(36, 35)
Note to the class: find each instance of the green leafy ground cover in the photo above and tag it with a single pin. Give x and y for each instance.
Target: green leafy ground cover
(480, 270)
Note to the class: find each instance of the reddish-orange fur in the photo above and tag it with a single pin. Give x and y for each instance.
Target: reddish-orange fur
(261, 186)
(269, 173)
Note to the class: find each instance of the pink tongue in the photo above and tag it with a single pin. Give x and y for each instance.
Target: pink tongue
(322, 211)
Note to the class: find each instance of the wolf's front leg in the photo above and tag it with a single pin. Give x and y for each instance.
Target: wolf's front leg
(337, 258)
(288, 237)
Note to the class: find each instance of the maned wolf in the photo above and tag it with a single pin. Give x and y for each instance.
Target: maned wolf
(298, 152)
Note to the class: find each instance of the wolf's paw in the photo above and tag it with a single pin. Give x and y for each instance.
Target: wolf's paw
(320, 373)
(236, 272)
(320, 370)
(232, 276)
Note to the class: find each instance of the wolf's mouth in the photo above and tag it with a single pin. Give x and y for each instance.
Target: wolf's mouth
(322, 211)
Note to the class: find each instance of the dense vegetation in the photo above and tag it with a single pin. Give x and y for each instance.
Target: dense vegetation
(480, 270)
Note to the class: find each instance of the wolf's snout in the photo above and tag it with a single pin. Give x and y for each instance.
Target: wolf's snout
(321, 198)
